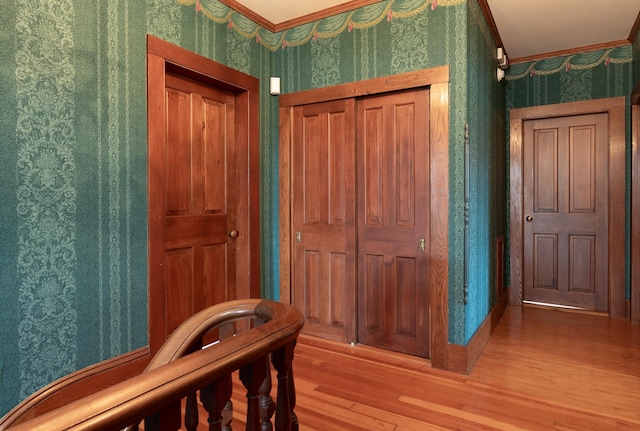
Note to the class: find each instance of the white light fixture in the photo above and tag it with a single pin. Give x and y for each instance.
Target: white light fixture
(274, 86)
(499, 74)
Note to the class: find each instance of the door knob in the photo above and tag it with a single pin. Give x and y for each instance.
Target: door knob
(529, 218)
(233, 234)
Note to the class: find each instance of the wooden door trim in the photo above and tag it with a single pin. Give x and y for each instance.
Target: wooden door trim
(162, 57)
(635, 205)
(438, 81)
(615, 108)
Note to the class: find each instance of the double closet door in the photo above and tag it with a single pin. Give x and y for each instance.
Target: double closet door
(360, 220)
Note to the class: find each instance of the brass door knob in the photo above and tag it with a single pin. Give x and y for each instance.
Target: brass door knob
(233, 234)
(529, 218)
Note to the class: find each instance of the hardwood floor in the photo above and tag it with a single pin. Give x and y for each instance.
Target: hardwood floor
(540, 370)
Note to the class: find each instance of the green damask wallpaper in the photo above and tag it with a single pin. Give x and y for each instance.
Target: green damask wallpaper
(73, 280)
(487, 170)
(73, 142)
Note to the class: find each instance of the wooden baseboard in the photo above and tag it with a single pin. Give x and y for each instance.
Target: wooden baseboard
(463, 358)
(78, 385)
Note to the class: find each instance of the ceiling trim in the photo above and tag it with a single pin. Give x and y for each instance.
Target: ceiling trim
(316, 16)
(568, 52)
(248, 13)
(306, 19)
(484, 6)
(488, 16)
(635, 29)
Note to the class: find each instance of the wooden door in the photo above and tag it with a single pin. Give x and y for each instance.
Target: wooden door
(565, 206)
(393, 221)
(323, 218)
(200, 196)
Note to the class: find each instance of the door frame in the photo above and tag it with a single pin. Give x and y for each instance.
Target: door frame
(437, 79)
(165, 57)
(615, 108)
(635, 205)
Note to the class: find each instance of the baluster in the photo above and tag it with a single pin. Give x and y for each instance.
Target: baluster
(267, 407)
(292, 397)
(215, 398)
(191, 413)
(282, 360)
(227, 416)
(252, 377)
(167, 419)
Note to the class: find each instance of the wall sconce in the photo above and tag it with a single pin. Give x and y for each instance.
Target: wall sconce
(274, 86)
(499, 74)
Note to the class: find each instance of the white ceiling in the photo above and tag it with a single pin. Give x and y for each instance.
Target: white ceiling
(279, 11)
(526, 27)
(533, 27)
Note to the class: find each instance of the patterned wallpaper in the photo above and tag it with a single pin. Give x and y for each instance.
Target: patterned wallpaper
(73, 281)
(487, 170)
(73, 249)
(584, 76)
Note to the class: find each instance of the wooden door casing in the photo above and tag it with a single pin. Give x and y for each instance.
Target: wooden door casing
(614, 108)
(324, 218)
(565, 206)
(635, 205)
(239, 256)
(393, 221)
(437, 80)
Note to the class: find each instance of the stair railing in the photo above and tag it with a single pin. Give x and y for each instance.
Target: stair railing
(181, 369)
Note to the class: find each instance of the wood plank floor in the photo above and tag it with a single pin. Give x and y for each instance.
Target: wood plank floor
(540, 370)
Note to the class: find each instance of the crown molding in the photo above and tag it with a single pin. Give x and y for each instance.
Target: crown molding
(285, 25)
(568, 52)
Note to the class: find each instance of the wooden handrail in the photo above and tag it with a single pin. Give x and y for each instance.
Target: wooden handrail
(174, 374)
